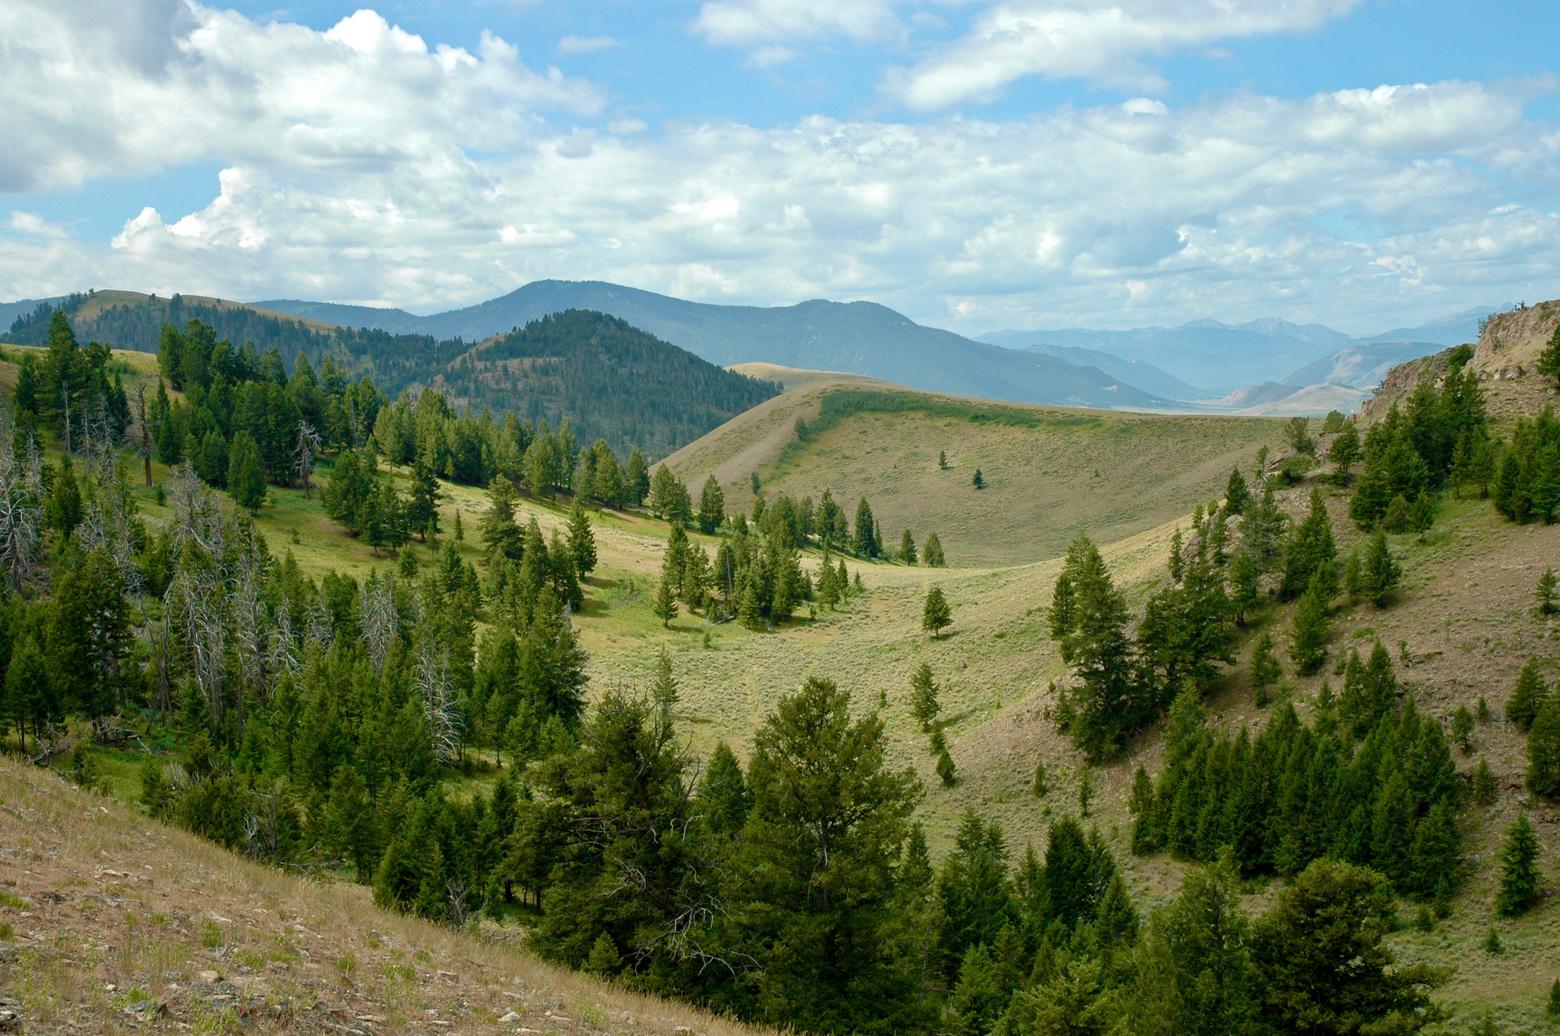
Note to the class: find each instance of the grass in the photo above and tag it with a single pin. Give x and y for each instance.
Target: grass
(1048, 471)
(286, 947)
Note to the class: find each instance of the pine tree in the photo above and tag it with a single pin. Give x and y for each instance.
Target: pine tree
(945, 769)
(62, 509)
(923, 696)
(245, 476)
(815, 912)
(866, 542)
(1309, 552)
(937, 615)
(1528, 696)
(932, 553)
(723, 792)
(1543, 751)
(1518, 870)
(1297, 435)
(422, 509)
(712, 506)
(636, 480)
(1308, 639)
(907, 548)
(1545, 601)
(1379, 571)
(942, 460)
(978, 480)
(1265, 670)
(664, 606)
(1326, 969)
(582, 542)
(1236, 494)
(1040, 785)
(1344, 452)
(1553, 1010)
(1549, 358)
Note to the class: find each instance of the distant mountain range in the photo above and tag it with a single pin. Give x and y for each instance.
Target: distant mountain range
(852, 337)
(1261, 366)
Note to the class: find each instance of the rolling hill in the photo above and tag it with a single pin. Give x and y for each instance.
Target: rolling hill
(1049, 472)
(855, 337)
(610, 379)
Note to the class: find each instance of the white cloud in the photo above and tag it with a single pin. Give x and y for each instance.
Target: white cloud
(368, 164)
(189, 82)
(1100, 40)
(585, 44)
(766, 24)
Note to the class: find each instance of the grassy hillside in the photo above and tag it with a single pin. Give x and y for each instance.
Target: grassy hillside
(1460, 630)
(110, 922)
(1048, 472)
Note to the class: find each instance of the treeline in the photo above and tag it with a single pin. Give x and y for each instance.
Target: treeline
(1370, 781)
(316, 723)
(585, 363)
(610, 379)
(77, 394)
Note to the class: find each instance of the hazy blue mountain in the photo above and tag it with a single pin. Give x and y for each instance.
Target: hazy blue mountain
(1220, 357)
(396, 321)
(1453, 329)
(853, 337)
(1360, 366)
(1137, 373)
(9, 311)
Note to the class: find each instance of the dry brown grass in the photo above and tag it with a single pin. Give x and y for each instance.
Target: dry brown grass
(107, 911)
(1048, 473)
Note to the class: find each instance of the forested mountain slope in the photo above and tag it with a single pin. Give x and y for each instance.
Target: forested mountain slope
(610, 380)
(1339, 666)
(855, 337)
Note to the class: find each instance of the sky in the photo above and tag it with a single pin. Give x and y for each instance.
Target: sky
(974, 164)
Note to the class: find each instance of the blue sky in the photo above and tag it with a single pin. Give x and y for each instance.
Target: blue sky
(974, 163)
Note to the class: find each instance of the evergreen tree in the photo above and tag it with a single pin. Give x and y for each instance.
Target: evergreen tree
(932, 552)
(937, 615)
(712, 506)
(1543, 751)
(1325, 966)
(923, 696)
(942, 460)
(1344, 452)
(501, 537)
(1265, 670)
(1528, 696)
(1379, 571)
(245, 476)
(1309, 552)
(582, 542)
(422, 509)
(821, 845)
(907, 548)
(1545, 601)
(945, 768)
(1518, 870)
(1549, 358)
(636, 479)
(62, 509)
(723, 793)
(1088, 619)
(1308, 638)
(978, 480)
(1194, 973)
(1237, 497)
(866, 543)
(664, 606)
(1297, 435)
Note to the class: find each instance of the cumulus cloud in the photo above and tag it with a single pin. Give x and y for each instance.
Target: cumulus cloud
(185, 82)
(1104, 41)
(383, 167)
